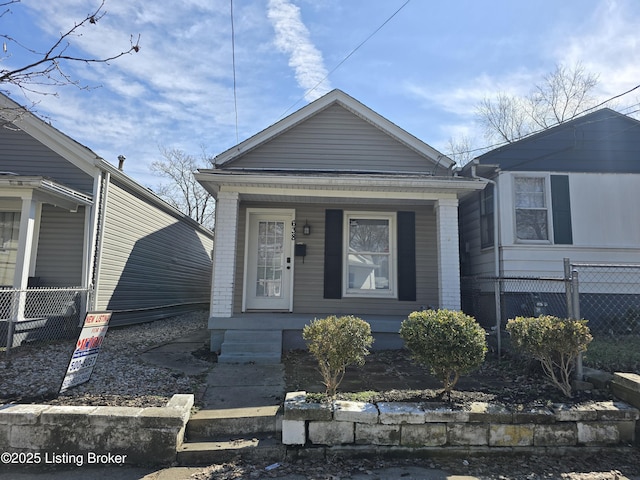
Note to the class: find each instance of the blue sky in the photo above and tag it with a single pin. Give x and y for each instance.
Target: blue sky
(425, 70)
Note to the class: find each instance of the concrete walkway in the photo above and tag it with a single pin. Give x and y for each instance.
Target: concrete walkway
(228, 385)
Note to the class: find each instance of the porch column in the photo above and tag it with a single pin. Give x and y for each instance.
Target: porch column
(224, 254)
(448, 254)
(24, 256)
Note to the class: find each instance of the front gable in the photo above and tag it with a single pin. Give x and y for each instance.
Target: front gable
(335, 134)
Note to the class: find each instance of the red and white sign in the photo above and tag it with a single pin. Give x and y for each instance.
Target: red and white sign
(87, 348)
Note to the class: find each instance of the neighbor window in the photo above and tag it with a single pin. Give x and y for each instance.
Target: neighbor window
(370, 262)
(486, 217)
(9, 231)
(531, 208)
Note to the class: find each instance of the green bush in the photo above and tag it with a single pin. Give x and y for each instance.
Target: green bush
(555, 342)
(448, 342)
(336, 343)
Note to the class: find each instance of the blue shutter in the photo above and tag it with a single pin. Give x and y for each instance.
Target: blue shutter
(333, 254)
(561, 210)
(407, 256)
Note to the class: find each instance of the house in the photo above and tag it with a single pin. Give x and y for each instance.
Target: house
(571, 191)
(71, 222)
(332, 210)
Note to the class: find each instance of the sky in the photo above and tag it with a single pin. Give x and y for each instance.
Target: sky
(423, 64)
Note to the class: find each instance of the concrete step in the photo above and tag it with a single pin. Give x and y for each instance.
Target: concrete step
(207, 424)
(251, 346)
(252, 448)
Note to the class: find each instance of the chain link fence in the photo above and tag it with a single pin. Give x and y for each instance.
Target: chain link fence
(609, 297)
(605, 294)
(40, 314)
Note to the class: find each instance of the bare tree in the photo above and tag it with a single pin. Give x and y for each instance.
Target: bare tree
(461, 149)
(45, 69)
(183, 191)
(561, 96)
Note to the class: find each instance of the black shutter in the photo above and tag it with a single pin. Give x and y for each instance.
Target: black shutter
(407, 256)
(333, 254)
(561, 210)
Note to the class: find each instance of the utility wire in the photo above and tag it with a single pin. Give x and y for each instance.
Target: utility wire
(530, 134)
(233, 62)
(345, 58)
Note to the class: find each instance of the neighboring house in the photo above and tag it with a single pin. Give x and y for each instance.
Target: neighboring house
(572, 191)
(69, 219)
(332, 210)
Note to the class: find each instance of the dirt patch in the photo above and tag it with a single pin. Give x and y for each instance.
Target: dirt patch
(391, 375)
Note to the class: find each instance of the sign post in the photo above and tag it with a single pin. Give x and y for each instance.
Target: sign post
(87, 348)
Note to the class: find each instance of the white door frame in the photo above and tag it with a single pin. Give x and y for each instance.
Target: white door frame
(288, 215)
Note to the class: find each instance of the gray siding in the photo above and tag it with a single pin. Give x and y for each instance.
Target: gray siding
(308, 276)
(336, 139)
(60, 245)
(150, 260)
(24, 155)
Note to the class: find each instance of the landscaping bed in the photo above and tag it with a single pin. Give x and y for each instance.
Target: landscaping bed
(391, 376)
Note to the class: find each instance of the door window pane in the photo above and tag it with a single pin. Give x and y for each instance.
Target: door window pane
(270, 259)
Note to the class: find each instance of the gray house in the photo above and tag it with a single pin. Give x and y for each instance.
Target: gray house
(572, 191)
(332, 210)
(71, 222)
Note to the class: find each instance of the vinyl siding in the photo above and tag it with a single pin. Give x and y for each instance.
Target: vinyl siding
(475, 260)
(60, 246)
(336, 139)
(308, 275)
(150, 259)
(24, 155)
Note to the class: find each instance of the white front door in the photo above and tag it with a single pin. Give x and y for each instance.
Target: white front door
(268, 283)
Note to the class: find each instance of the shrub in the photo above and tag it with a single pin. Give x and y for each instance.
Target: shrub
(337, 342)
(448, 342)
(555, 342)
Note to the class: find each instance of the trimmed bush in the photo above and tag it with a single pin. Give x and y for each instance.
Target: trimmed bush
(447, 342)
(336, 343)
(555, 342)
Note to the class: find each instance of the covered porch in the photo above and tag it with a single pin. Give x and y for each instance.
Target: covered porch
(45, 240)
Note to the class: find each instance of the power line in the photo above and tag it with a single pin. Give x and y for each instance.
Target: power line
(345, 58)
(233, 63)
(535, 132)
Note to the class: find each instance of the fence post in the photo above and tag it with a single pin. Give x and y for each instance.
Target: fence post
(575, 302)
(496, 295)
(568, 287)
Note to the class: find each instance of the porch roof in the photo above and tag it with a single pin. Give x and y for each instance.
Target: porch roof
(43, 189)
(304, 186)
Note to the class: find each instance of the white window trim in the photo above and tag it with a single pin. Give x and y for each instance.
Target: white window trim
(547, 198)
(392, 292)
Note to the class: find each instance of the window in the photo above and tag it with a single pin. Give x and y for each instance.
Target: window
(531, 208)
(486, 217)
(369, 266)
(9, 231)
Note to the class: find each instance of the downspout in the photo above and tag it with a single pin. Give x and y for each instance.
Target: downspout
(496, 255)
(100, 239)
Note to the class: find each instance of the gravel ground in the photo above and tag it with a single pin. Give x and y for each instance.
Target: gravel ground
(33, 374)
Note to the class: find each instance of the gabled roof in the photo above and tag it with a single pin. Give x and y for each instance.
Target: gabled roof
(603, 141)
(335, 97)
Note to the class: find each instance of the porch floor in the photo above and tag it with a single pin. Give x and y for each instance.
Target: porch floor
(383, 327)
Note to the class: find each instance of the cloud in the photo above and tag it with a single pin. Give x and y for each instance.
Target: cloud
(293, 38)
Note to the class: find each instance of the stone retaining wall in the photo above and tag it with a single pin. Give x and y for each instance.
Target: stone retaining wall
(415, 425)
(50, 434)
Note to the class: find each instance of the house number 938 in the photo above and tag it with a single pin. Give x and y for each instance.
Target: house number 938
(293, 229)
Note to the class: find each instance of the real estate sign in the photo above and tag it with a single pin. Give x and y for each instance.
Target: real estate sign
(87, 348)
